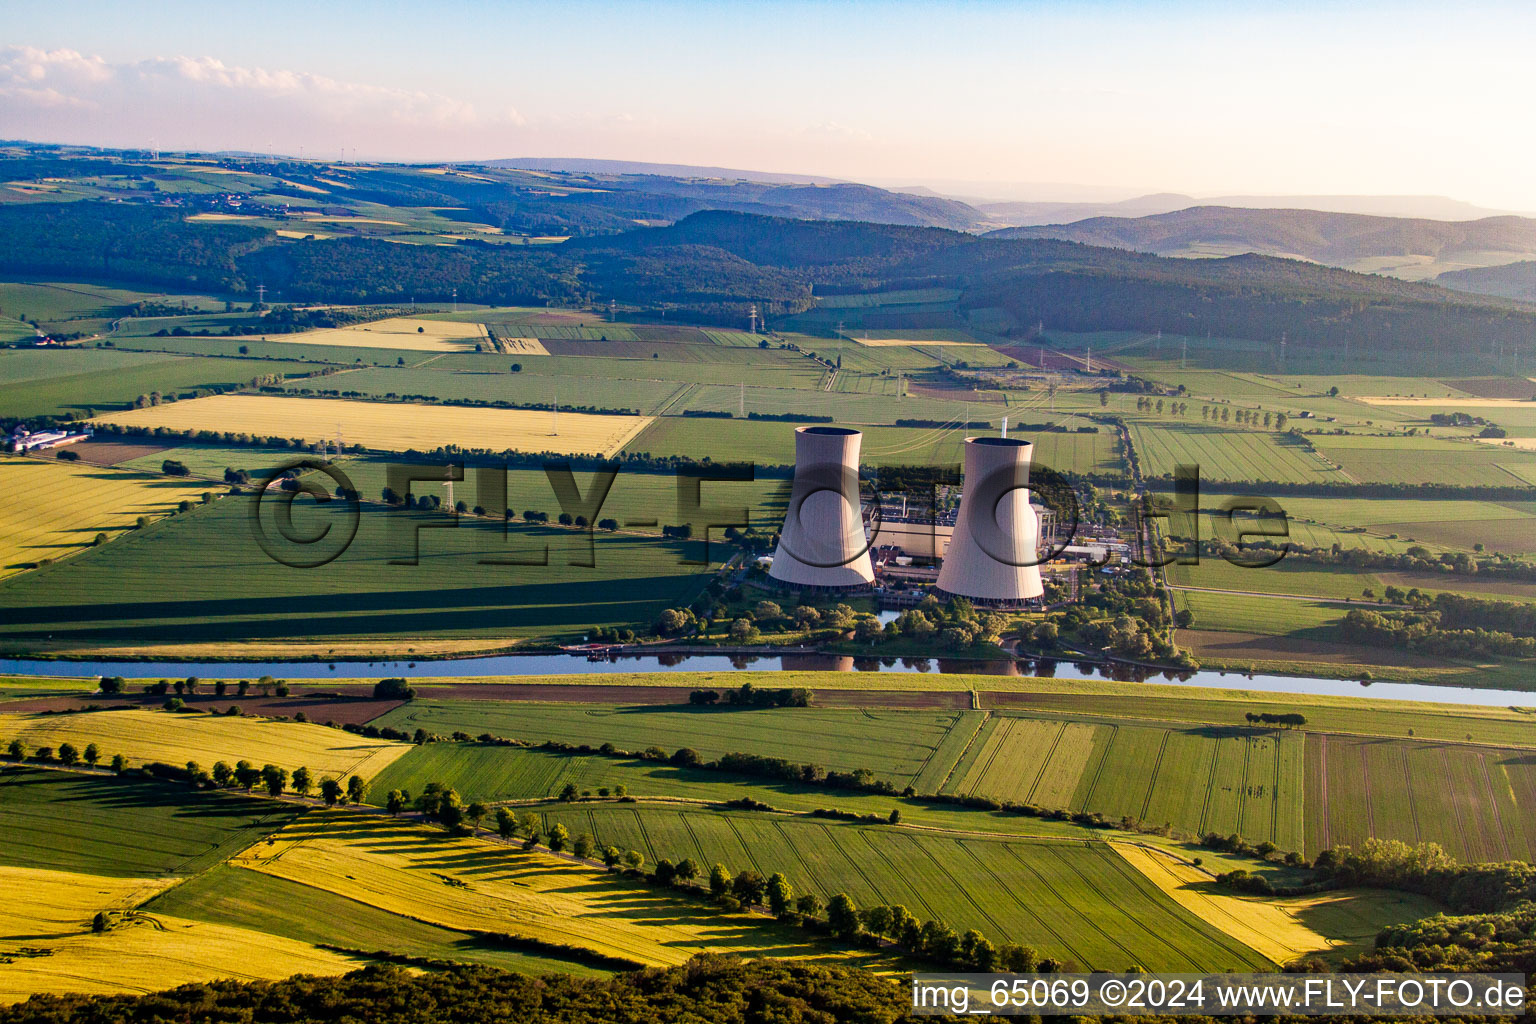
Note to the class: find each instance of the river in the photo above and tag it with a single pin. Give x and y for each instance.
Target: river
(563, 664)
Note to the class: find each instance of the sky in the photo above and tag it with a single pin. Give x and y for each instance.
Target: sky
(1104, 99)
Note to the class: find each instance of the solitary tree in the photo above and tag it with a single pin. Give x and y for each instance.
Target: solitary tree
(330, 792)
(611, 856)
(719, 880)
(395, 801)
(119, 764)
(476, 811)
(634, 860)
(687, 869)
(92, 754)
(506, 823)
(559, 837)
(17, 751)
(781, 894)
(808, 905)
(276, 779)
(357, 789)
(68, 754)
(222, 773)
(843, 915)
(582, 846)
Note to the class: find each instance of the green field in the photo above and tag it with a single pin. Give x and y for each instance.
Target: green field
(45, 382)
(894, 745)
(644, 396)
(1288, 577)
(1078, 901)
(1477, 802)
(69, 307)
(1425, 460)
(1232, 455)
(227, 587)
(124, 828)
(1246, 613)
(774, 443)
(264, 903)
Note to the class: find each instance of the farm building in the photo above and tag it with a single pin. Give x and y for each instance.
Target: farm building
(23, 440)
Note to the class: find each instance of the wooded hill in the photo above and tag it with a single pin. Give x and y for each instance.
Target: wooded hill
(1310, 234)
(712, 265)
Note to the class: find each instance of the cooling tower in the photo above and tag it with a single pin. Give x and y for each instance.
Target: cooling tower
(822, 543)
(991, 558)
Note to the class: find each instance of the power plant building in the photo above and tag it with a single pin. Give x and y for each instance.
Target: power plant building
(992, 557)
(822, 545)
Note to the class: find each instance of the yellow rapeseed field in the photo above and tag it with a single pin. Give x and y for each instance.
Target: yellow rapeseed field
(398, 332)
(143, 736)
(50, 947)
(1281, 928)
(49, 509)
(472, 884)
(391, 426)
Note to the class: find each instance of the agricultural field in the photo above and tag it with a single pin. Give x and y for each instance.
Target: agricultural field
(51, 509)
(1254, 613)
(393, 427)
(1200, 779)
(1397, 524)
(1478, 802)
(644, 396)
(43, 382)
(125, 828)
(893, 744)
(71, 308)
(143, 952)
(1335, 924)
(1230, 455)
(273, 906)
(1287, 577)
(403, 576)
(1424, 460)
(1078, 901)
(423, 333)
(475, 885)
(144, 736)
(774, 443)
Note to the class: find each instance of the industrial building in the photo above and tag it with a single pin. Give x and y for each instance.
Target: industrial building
(822, 545)
(992, 557)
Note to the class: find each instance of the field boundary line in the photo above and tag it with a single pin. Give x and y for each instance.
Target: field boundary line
(1365, 787)
(1327, 808)
(1242, 803)
(794, 851)
(1109, 745)
(998, 929)
(1413, 802)
(1092, 924)
(986, 716)
(1123, 869)
(1023, 905)
(1461, 825)
(851, 862)
(751, 857)
(1157, 766)
(921, 899)
(1046, 763)
(1210, 784)
(1493, 801)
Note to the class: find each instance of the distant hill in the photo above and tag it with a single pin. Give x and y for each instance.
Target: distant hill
(577, 165)
(1383, 244)
(1512, 281)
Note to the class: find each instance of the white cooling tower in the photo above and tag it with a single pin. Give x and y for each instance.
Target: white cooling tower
(991, 558)
(822, 543)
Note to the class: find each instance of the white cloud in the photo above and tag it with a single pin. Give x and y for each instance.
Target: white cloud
(202, 102)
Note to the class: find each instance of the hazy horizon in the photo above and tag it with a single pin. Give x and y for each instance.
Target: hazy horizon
(1122, 99)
